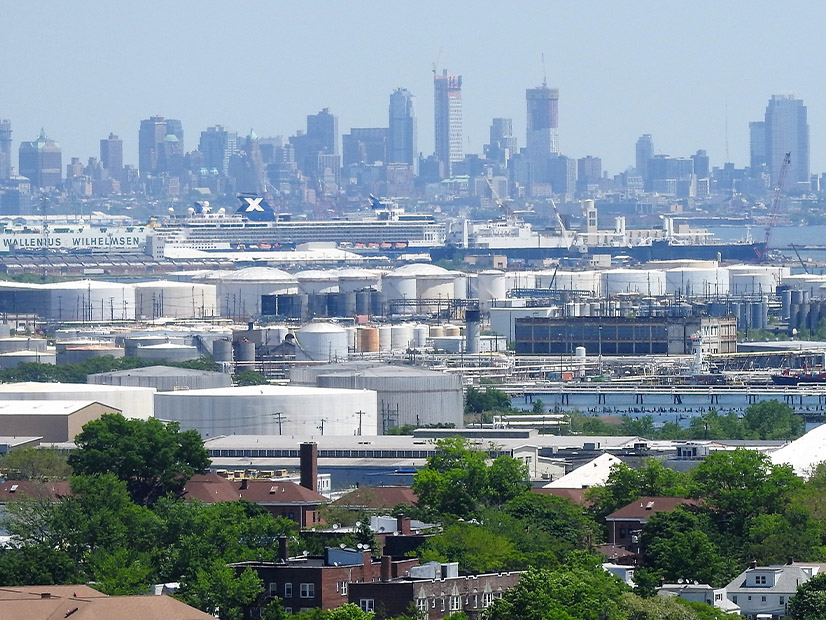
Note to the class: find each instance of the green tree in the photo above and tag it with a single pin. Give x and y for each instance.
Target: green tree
(220, 590)
(249, 377)
(579, 590)
(809, 602)
(476, 547)
(491, 399)
(350, 611)
(35, 464)
(773, 538)
(538, 407)
(676, 545)
(742, 484)
(152, 458)
(772, 420)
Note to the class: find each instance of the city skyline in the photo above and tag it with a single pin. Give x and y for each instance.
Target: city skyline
(695, 70)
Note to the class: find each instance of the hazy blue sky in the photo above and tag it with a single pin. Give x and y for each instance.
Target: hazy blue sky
(82, 69)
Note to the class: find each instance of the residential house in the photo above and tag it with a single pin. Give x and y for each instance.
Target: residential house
(700, 593)
(766, 590)
(625, 524)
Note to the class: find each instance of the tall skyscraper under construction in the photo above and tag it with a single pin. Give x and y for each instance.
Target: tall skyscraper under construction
(447, 94)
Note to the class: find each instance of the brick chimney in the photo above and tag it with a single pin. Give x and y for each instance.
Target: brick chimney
(308, 459)
(283, 552)
(245, 484)
(403, 526)
(386, 567)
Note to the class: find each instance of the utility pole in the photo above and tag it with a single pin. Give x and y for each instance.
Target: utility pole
(279, 419)
(321, 426)
(360, 414)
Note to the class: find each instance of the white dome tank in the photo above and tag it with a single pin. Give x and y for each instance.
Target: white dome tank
(91, 300)
(317, 282)
(638, 281)
(697, 281)
(321, 342)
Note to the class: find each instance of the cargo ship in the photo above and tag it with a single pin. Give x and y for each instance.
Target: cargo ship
(797, 376)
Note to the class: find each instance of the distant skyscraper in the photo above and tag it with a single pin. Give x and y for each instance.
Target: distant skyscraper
(447, 93)
(645, 152)
(502, 141)
(401, 137)
(787, 130)
(151, 139)
(322, 129)
(41, 161)
(757, 145)
(543, 123)
(5, 150)
(111, 156)
(218, 145)
(364, 145)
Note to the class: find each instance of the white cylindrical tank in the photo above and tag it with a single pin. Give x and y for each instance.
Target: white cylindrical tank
(437, 331)
(805, 282)
(460, 285)
(169, 352)
(638, 281)
(175, 300)
(452, 330)
(420, 335)
(90, 300)
(750, 283)
(492, 285)
(352, 337)
(317, 282)
(239, 292)
(385, 338)
(351, 279)
(401, 337)
(302, 411)
(22, 343)
(321, 342)
(12, 359)
(589, 281)
(697, 281)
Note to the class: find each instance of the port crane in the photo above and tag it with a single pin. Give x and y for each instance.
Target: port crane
(778, 191)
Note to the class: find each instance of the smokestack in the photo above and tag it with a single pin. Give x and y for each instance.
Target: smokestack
(309, 465)
(283, 553)
(472, 318)
(386, 567)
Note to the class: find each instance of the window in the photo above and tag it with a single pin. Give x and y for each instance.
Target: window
(289, 610)
(782, 600)
(307, 590)
(760, 579)
(762, 599)
(455, 603)
(442, 604)
(343, 588)
(487, 599)
(421, 604)
(288, 590)
(273, 589)
(734, 599)
(367, 604)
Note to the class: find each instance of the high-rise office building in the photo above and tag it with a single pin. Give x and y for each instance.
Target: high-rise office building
(543, 123)
(111, 156)
(41, 161)
(364, 145)
(787, 131)
(644, 152)
(503, 144)
(757, 145)
(401, 137)
(322, 130)
(151, 143)
(218, 145)
(5, 150)
(447, 94)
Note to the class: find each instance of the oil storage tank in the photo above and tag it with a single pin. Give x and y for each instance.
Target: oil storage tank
(90, 300)
(636, 281)
(321, 342)
(271, 410)
(177, 300)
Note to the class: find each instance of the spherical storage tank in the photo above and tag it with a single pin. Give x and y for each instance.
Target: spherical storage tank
(321, 342)
(179, 300)
(637, 281)
(303, 411)
(697, 281)
(91, 300)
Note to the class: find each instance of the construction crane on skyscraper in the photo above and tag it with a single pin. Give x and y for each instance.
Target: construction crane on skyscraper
(778, 192)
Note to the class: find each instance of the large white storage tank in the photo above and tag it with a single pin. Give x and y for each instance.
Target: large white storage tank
(637, 281)
(239, 292)
(697, 281)
(491, 284)
(321, 342)
(589, 281)
(753, 282)
(351, 279)
(91, 300)
(395, 286)
(133, 402)
(178, 300)
(271, 410)
(317, 282)
(805, 282)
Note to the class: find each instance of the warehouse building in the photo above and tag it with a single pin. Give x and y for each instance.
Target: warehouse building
(624, 335)
(54, 421)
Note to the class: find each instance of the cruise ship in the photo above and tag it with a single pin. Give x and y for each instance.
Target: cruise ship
(256, 226)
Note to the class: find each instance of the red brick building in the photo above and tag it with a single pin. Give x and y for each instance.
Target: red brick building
(625, 524)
